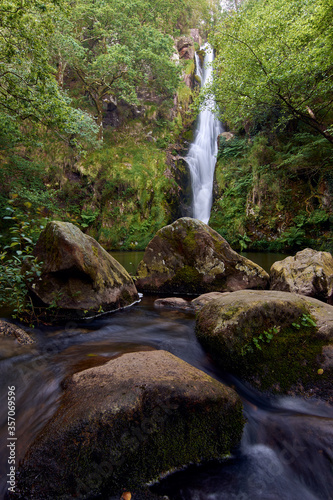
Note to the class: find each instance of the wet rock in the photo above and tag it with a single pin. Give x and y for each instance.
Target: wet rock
(308, 273)
(10, 330)
(175, 303)
(188, 257)
(185, 47)
(126, 422)
(78, 275)
(202, 300)
(276, 340)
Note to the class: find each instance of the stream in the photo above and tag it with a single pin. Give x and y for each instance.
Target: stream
(286, 450)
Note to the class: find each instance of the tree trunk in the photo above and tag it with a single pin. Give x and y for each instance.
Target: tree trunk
(61, 66)
(99, 121)
(99, 116)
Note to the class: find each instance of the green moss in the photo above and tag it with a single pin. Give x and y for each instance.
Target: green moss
(290, 358)
(192, 434)
(188, 278)
(108, 456)
(270, 191)
(189, 242)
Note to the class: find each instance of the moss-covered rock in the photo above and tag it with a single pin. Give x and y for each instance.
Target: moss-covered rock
(124, 423)
(309, 273)
(276, 340)
(189, 257)
(77, 274)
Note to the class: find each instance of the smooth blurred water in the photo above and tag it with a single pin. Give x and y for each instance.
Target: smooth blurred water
(129, 260)
(286, 450)
(286, 453)
(201, 157)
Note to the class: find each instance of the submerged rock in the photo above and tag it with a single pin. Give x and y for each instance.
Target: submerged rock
(308, 273)
(125, 423)
(278, 341)
(77, 274)
(191, 258)
(175, 303)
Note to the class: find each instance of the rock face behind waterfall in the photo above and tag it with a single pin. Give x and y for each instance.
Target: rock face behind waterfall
(189, 257)
(125, 423)
(78, 274)
(308, 273)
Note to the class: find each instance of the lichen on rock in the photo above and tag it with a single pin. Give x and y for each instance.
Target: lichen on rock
(78, 276)
(10, 330)
(191, 258)
(309, 273)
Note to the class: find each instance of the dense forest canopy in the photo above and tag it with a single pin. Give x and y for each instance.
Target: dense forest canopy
(276, 54)
(114, 47)
(274, 90)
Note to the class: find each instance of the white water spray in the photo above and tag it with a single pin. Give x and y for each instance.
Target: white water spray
(201, 157)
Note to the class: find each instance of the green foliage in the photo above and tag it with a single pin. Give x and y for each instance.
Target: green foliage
(258, 342)
(117, 48)
(276, 55)
(134, 191)
(234, 148)
(28, 88)
(278, 205)
(88, 217)
(317, 217)
(14, 275)
(304, 321)
(293, 237)
(243, 240)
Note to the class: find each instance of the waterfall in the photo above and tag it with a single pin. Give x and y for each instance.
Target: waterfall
(201, 157)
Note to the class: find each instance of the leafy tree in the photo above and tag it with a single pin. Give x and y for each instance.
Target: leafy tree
(28, 88)
(118, 48)
(276, 54)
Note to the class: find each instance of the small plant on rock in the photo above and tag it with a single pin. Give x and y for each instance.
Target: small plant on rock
(304, 321)
(258, 342)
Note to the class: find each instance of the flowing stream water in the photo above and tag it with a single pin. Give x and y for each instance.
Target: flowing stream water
(286, 449)
(201, 157)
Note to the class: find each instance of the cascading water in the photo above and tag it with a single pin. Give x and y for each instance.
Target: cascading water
(201, 157)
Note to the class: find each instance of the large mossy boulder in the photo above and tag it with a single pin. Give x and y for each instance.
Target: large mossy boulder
(275, 340)
(308, 273)
(78, 277)
(125, 423)
(191, 258)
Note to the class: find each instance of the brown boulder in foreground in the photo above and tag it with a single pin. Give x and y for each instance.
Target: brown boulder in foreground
(123, 424)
